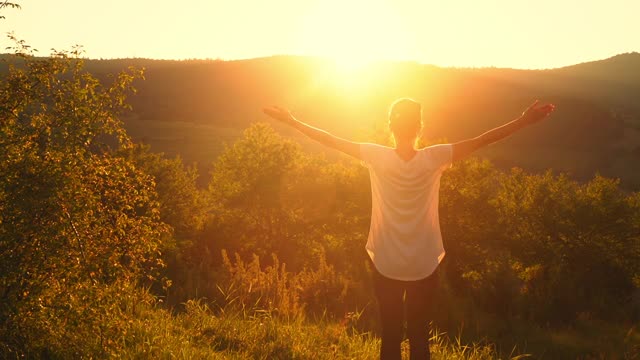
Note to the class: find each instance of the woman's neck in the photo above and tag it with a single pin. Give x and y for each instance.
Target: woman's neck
(405, 146)
(405, 150)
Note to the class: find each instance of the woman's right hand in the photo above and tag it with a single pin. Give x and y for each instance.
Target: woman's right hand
(278, 113)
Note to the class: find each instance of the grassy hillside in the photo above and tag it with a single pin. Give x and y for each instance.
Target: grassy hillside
(192, 107)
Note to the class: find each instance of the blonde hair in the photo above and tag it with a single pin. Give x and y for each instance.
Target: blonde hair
(405, 118)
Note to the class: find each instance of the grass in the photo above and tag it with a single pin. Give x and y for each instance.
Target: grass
(198, 333)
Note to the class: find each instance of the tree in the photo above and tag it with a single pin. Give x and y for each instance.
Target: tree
(74, 216)
(182, 205)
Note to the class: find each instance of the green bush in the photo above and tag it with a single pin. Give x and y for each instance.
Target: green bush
(75, 218)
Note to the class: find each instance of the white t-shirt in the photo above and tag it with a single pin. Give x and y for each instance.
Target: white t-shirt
(404, 238)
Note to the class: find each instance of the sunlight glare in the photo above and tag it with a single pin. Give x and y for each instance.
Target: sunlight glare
(355, 33)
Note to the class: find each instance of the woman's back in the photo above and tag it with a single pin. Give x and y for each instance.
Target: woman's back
(404, 238)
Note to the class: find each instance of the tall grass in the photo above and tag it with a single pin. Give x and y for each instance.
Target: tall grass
(201, 333)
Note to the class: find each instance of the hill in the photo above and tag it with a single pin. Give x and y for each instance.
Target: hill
(191, 108)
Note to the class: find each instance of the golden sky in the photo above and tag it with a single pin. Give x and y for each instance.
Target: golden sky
(464, 33)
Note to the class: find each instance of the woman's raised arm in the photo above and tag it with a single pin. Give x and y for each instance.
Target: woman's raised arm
(319, 135)
(530, 116)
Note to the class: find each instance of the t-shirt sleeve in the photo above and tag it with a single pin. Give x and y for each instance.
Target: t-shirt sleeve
(369, 153)
(441, 155)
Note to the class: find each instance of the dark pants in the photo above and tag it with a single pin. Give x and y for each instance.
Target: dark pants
(397, 299)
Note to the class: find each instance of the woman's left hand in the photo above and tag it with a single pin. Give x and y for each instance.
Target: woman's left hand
(535, 113)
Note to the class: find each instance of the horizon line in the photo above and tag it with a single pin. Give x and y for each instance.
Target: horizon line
(365, 63)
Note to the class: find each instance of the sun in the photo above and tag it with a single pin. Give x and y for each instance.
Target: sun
(355, 33)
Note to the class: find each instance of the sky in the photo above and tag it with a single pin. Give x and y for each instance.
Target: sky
(459, 33)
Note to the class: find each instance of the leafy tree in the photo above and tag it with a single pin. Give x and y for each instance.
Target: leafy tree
(74, 216)
(182, 205)
(248, 184)
(274, 198)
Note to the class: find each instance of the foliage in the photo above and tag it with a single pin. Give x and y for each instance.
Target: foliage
(281, 292)
(74, 216)
(182, 205)
(86, 320)
(276, 199)
(247, 184)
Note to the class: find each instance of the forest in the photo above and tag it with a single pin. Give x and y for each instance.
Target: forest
(113, 246)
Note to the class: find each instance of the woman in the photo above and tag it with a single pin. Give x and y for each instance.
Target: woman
(404, 240)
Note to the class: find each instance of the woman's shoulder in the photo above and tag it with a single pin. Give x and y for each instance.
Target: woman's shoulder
(377, 146)
(434, 147)
(374, 148)
(374, 153)
(438, 154)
